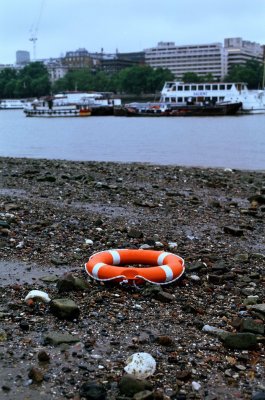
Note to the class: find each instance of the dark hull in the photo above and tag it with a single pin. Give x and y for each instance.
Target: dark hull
(181, 111)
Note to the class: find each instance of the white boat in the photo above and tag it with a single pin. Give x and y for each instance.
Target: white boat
(253, 101)
(72, 104)
(83, 98)
(12, 104)
(47, 109)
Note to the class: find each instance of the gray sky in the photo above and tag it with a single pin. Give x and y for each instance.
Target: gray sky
(126, 25)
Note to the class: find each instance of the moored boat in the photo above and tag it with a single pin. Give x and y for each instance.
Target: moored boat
(12, 104)
(170, 110)
(46, 109)
(253, 101)
(72, 104)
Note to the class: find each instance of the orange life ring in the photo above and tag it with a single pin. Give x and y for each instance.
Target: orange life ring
(164, 267)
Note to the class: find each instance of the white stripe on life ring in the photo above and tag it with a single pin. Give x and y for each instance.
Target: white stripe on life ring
(168, 271)
(116, 257)
(96, 269)
(161, 258)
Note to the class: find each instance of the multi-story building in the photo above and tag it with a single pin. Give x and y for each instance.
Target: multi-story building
(22, 57)
(112, 63)
(55, 69)
(239, 51)
(201, 59)
(78, 59)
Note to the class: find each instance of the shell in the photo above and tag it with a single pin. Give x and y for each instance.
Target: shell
(141, 365)
(38, 295)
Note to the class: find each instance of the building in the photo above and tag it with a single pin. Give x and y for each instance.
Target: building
(201, 59)
(240, 51)
(55, 69)
(78, 59)
(113, 63)
(22, 57)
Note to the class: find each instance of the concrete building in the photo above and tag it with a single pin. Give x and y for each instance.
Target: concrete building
(22, 57)
(55, 69)
(201, 59)
(239, 51)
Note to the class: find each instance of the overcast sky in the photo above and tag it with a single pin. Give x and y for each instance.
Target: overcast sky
(126, 25)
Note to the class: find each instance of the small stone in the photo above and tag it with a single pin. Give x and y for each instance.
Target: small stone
(240, 341)
(259, 395)
(93, 391)
(183, 375)
(165, 341)
(24, 325)
(3, 335)
(135, 234)
(249, 325)
(144, 395)
(64, 309)
(232, 230)
(129, 385)
(36, 375)
(57, 338)
(43, 356)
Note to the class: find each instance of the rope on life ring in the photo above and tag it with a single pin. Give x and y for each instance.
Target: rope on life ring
(163, 267)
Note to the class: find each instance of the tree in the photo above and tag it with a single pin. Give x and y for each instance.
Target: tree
(191, 77)
(31, 81)
(250, 73)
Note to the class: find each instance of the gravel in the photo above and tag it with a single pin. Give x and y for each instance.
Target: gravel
(55, 214)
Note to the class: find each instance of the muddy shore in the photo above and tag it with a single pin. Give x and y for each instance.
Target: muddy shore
(55, 214)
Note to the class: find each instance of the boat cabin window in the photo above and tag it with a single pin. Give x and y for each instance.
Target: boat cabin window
(207, 87)
(173, 88)
(180, 88)
(173, 99)
(180, 99)
(215, 87)
(193, 87)
(186, 87)
(222, 87)
(200, 87)
(167, 100)
(229, 86)
(214, 100)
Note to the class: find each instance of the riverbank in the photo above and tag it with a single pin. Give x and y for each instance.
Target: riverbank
(56, 214)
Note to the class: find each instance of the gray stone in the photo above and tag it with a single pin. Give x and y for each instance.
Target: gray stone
(249, 325)
(240, 341)
(69, 282)
(64, 309)
(233, 230)
(144, 395)
(243, 257)
(93, 391)
(57, 338)
(259, 395)
(258, 307)
(129, 385)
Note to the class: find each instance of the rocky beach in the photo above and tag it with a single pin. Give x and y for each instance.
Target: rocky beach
(205, 331)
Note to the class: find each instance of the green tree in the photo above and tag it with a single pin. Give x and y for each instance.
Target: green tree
(191, 77)
(250, 73)
(32, 80)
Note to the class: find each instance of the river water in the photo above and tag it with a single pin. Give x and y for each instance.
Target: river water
(226, 142)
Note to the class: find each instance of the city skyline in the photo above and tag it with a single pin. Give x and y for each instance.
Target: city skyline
(123, 25)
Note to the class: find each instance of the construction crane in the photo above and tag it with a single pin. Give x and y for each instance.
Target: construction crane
(34, 30)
